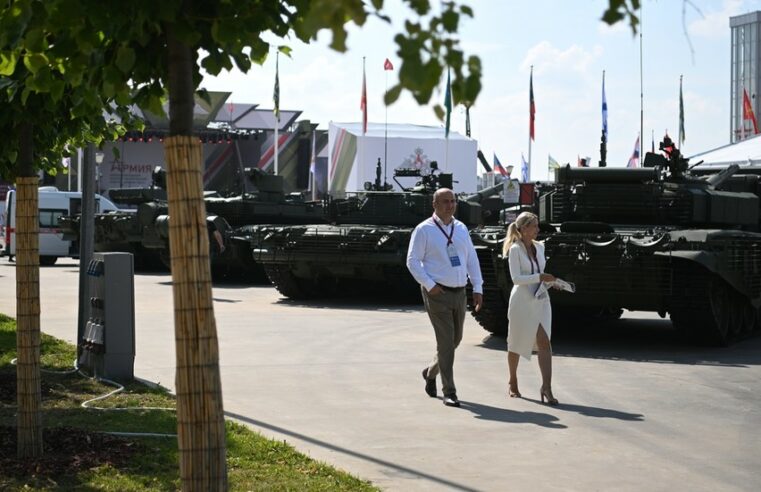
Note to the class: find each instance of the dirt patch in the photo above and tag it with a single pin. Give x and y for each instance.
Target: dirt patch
(66, 451)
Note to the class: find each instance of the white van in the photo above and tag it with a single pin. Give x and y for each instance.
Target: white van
(52, 204)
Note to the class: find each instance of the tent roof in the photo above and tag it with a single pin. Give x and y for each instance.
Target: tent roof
(399, 130)
(745, 152)
(210, 115)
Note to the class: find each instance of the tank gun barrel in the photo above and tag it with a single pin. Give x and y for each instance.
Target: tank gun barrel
(570, 174)
(486, 192)
(723, 175)
(483, 161)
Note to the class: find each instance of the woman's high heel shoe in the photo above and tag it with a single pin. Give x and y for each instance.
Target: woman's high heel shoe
(513, 391)
(547, 393)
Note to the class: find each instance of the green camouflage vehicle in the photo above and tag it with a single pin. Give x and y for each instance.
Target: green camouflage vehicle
(364, 249)
(658, 238)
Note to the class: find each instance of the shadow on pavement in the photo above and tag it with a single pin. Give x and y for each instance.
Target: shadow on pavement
(598, 412)
(398, 468)
(358, 303)
(641, 340)
(496, 414)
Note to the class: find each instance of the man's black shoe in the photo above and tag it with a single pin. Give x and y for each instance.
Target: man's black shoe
(451, 401)
(430, 384)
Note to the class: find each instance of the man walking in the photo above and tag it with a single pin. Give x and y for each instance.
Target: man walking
(441, 257)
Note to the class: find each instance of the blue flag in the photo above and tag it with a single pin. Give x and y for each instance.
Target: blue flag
(525, 171)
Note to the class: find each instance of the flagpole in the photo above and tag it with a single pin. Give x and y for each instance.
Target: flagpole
(641, 85)
(361, 146)
(385, 134)
(681, 116)
(277, 110)
(448, 104)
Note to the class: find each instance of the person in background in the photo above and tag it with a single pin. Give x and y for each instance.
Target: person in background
(441, 258)
(216, 242)
(529, 317)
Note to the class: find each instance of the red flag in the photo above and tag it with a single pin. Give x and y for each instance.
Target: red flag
(748, 111)
(532, 107)
(363, 101)
(387, 65)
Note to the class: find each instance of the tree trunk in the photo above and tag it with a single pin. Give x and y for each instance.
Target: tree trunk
(28, 389)
(200, 415)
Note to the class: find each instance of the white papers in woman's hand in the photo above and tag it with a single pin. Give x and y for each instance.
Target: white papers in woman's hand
(563, 285)
(560, 284)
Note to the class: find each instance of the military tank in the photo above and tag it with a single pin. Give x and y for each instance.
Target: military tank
(364, 248)
(658, 238)
(124, 229)
(235, 218)
(144, 229)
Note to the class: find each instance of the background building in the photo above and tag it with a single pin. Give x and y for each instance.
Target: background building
(745, 74)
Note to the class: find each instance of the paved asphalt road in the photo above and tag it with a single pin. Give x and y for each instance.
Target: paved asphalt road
(341, 382)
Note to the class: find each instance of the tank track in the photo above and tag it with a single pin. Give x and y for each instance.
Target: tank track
(286, 283)
(493, 314)
(711, 312)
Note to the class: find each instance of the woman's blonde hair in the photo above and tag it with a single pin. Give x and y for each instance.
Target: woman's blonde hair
(513, 230)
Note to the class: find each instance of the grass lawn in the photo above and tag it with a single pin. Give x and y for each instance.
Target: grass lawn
(79, 454)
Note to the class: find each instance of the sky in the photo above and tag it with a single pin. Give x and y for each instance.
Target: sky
(568, 46)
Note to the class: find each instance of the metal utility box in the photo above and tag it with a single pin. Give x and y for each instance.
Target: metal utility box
(109, 336)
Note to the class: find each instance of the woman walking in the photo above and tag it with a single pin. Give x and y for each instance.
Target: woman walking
(529, 317)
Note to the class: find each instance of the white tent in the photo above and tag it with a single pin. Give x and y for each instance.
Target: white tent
(744, 153)
(354, 157)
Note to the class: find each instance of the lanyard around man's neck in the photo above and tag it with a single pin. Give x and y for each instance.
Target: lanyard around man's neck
(451, 232)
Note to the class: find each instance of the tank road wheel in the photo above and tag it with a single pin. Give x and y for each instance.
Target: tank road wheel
(285, 282)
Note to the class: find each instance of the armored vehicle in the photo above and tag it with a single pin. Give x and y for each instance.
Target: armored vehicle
(144, 231)
(657, 238)
(365, 247)
(124, 229)
(234, 217)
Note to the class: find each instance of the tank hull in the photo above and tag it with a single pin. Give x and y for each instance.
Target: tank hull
(707, 280)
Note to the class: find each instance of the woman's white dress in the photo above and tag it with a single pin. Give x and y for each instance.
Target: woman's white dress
(525, 312)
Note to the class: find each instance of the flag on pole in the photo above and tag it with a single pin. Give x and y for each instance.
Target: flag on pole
(363, 100)
(313, 161)
(531, 105)
(681, 114)
(276, 92)
(748, 112)
(498, 166)
(525, 171)
(634, 159)
(652, 142)
(552, 163)
(448, 103)
(604, 109)
(387, 65)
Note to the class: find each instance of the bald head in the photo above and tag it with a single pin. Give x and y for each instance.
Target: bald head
(441, 191)
(444, 204)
